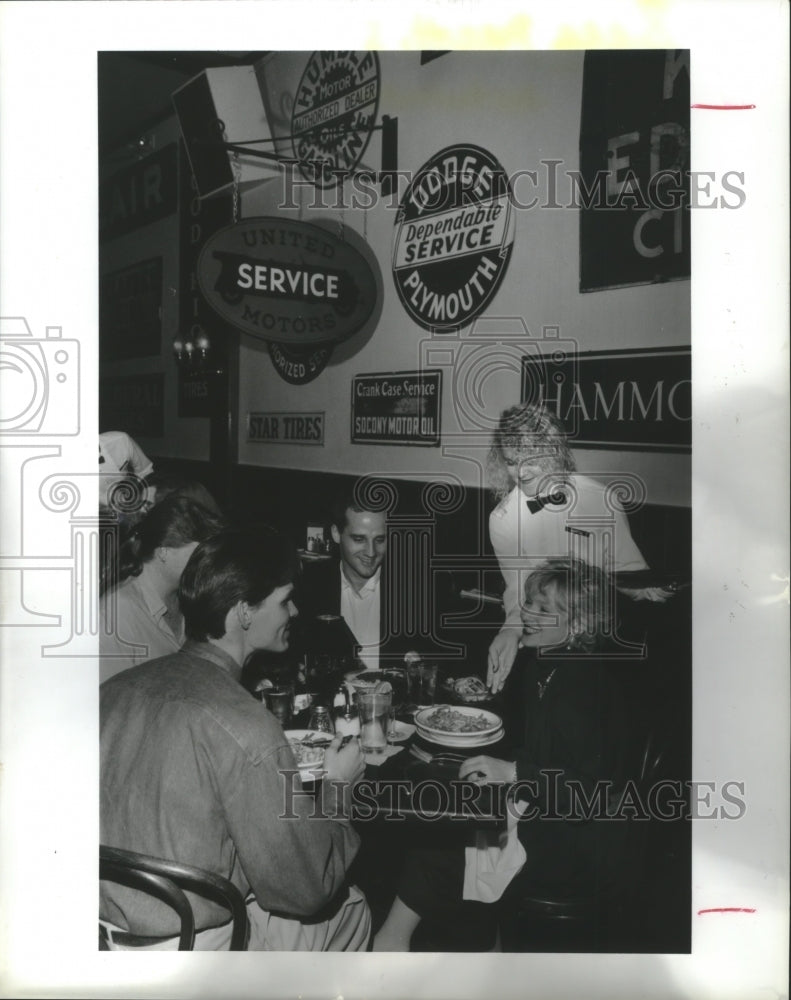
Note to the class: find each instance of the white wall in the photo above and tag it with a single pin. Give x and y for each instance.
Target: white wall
(522, 107)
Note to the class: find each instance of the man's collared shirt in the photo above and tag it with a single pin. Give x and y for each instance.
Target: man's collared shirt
(361, 612)
(134, 627)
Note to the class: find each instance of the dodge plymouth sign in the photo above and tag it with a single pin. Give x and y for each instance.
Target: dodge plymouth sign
(453, 237)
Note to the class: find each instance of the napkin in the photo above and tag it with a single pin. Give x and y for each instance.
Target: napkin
(380, 758)
(495, 859)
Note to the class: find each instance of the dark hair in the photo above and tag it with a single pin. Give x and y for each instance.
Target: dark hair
(348, 500)
(173, 522)
(581, 590)
(166, 485)
(235, 565)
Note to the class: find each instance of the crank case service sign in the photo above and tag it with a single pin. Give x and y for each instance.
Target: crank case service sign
(453, 237)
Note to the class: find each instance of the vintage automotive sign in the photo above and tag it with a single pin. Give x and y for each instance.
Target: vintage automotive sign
(287, 281)
(397, 408)
(453, 237)
(334, 113)
(299, 365)
(286, 428)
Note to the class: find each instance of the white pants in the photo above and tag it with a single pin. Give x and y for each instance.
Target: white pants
(347, 930)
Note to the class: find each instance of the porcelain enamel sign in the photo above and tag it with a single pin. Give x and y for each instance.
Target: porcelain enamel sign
(289, 282)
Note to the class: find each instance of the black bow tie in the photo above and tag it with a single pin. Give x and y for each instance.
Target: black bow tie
(537, 503)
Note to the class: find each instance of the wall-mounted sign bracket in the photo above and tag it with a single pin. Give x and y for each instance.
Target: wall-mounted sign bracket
(386, 176)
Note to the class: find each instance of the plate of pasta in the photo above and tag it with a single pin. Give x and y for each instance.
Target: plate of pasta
(458, 722)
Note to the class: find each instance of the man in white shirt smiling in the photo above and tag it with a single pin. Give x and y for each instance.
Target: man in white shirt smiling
(361, 537)
(352, 586)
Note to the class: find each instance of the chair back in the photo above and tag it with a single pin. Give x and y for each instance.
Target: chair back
(167, 880)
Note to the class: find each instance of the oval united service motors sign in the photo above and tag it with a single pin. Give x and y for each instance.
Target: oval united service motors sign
(453, 237)
(287, 281)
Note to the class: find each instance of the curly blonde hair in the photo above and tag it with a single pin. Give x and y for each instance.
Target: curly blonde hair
(579, 589)
(533, 434)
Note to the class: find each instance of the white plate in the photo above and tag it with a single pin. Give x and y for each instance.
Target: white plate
(494, 722)
(446, 741)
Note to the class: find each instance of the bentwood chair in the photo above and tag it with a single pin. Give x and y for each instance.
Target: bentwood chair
(166, 881)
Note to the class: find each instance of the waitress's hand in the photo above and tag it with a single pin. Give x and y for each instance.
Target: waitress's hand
(502, 654)
(488, 771)
(347, 764)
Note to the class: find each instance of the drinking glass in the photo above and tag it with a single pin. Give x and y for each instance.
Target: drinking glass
(374, 712)
(395, 730)
(399, 682)
(280, 702)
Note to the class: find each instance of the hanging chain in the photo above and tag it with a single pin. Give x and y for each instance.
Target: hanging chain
(237, 175)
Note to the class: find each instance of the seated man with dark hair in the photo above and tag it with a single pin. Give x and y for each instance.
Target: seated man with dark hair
(195, 770)
(354, 585)
(138, 611)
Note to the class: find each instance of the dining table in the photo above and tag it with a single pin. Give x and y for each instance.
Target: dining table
(417, 779)
(411, 796)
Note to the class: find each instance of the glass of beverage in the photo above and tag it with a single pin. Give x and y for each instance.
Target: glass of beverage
(374, 711)
(280, 702)
(395, 730)
(399, 681)
(428, 683)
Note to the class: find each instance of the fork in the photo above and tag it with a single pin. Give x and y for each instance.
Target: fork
(428, 758)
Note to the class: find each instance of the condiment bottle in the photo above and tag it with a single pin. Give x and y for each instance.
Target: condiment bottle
(347, 721)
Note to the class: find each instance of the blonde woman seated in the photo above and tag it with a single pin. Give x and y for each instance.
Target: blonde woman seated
(576, 734)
